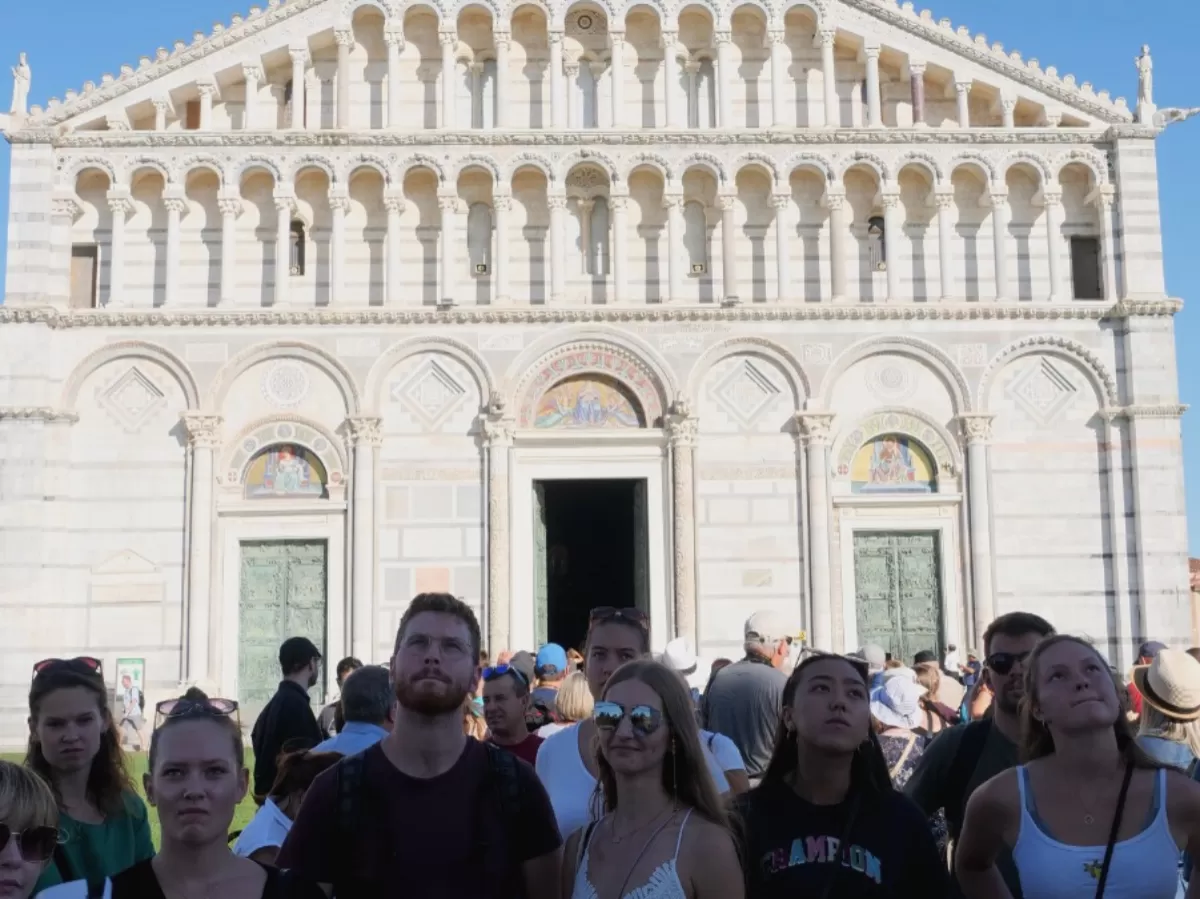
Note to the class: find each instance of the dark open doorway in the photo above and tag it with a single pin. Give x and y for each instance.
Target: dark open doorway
(590, 549)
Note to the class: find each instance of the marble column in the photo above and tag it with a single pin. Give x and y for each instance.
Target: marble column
(671, 80)
(476, 71)
(945, 225)
(691, 68)
(345, 42)
(162, 106)
(726, 204)
(1008, 108)
(682, 432)
(366, 436)
(584, 211)
(962, 94)
(558, 96)
(339, 205)
(977, 432)
(814, 428)
(394, 38)
(725, 78)
(571, 98)
(675, 246)
(893, 228)
(284, 204)
(501, 221)
(619, 203)
(617, 77)
(206, 90)
(602, 114)
(176, 205)
(1055, 251)
(999, 201)
(916, 75)
(784, 235)
(204, 435)
(253, 75)
(502, 40)
(827, 37)
(64, 210)
(835, 201)
(777, 46)
(874, 96)
(497, 432)
(449, 42)
(299, 94)
(448, 204)
(1105, 198)
(393, 202)
(231, 207)
(558, 212)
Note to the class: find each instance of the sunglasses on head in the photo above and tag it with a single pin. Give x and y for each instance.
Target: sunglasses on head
(80, 665)
(637, 617)
(644, 719)
(495, 671)
(1003, 662)
(36, 844)
(194, 708)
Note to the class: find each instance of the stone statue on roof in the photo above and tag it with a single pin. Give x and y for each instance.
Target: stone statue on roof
(1145, 67)
(22, 76)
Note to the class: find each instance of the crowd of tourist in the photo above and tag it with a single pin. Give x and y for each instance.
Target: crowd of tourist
(1033, 770)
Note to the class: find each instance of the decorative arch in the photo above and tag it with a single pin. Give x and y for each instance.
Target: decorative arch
(1101, 378)
(649, 160)
(608, 7)
(284, 349)
(754, 346)
(529, 160)
(706, 161)
(733, 6)
(922, 350)
(277, 430)
(921, 160)
(479, 162)
(312, 162)
(707, 5)
(988, 166)
(807, 160)
(817, 7)
(365, 161)
(422, 160)
(1035, 162)
(660, 8)
(761, 159)
(454, 10)
(588, 157)
(404, 7)
(871, 161)
(70, 172)
(138, 163)
(256, 162)
(514, 5)
(350, 7)
(448, 346)
(130, 349)
(911, 423)
(211, 163)
(1095, 163)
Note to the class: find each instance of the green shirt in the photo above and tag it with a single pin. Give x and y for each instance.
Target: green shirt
(928, 784)
(101, 850)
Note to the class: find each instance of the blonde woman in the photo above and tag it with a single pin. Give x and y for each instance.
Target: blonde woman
(1168, 729)
(28, 830)
(573, 704)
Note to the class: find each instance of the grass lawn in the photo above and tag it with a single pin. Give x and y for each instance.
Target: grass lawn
(137, 767)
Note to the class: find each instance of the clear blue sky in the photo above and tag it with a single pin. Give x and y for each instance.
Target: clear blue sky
(1097, 40)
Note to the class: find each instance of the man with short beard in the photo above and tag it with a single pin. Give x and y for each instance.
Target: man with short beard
(428, 812)
(962, 758)
(287, 722)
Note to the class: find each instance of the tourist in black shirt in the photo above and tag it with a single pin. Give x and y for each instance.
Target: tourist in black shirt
(825, 822)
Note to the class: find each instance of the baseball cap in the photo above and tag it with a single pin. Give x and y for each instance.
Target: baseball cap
(925, 655)
(678, 656)
(1150, 649)
(551, 659)
(525, 663)
(296, 652)
(767, 627)
(874, 655)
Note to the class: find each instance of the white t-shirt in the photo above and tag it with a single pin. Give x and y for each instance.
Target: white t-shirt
(268, 827)
(570, 784)
(76, 889)
(729, 757)
(552, 728)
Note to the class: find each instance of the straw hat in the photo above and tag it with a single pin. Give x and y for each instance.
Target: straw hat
(1171, 684)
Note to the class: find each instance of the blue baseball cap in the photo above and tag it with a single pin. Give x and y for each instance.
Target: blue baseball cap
(551, 659)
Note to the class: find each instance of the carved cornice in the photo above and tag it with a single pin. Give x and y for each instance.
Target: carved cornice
(37, 413)
(484, 315)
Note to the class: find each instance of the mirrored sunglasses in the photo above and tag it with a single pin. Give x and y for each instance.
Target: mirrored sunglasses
(600, 614)
(88, 665)
(495, 671)
(36, 844)
(644, 719)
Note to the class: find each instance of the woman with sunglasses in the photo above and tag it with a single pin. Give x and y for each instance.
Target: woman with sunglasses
(196, 779)
(826, 822)
(74, 745)
(566, 762)
(664, 833)
(28, 830)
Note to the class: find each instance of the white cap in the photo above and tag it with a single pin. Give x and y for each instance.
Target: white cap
(678, 656)
(767, 628)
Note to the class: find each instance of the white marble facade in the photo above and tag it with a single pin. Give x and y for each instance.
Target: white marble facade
(382, 231)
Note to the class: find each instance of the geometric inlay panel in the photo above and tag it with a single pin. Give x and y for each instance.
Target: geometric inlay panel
(745, 393)
(430, 395)
(132, 399)
(1042, 392)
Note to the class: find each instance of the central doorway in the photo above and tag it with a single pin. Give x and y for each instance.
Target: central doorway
(591, 548)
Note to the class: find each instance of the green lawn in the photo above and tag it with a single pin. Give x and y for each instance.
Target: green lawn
(137, 767)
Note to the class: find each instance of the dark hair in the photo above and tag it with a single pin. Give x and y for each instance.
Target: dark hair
(868, 768)
(108, 779)
(1015, 624)
(367, 695)
(225, 722)
(642, 632)
(444, 604)
(1036, 740)
(296, 653)
(195, 694)
(346, 666)
(297, 771)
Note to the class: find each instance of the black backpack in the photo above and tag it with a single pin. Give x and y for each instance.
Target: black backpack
(970, 751)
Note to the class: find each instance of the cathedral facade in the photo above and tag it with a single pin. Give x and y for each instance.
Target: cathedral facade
(822, 306)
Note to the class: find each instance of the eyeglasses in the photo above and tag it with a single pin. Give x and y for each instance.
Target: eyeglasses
(644, 719)
(81, 665)
(495, 671)
(1002, 662)
(35, 844)
(634, 616)
(193, 708)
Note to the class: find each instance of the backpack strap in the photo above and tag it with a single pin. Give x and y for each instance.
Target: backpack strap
(348, 776)
(95, 888)
(503, 779)
(970, 750)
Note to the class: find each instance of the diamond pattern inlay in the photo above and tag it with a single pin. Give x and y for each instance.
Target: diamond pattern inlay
(745, 393)
(132, 399)
(431, 394)
(1042, 392)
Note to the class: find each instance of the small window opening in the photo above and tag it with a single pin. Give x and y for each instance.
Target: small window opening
(875, 243)
(192, 118)
(85, 269)
(296, 256)
(1085, 268)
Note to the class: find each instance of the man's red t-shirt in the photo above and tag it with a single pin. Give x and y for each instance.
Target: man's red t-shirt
(526, 750)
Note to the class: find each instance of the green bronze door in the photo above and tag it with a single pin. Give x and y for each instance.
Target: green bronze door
(898, 593)
(282, 595)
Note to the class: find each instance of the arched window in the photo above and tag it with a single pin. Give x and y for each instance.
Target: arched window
(286, 471)
(479, 238)
(695, 237)
(893, 463)
(875, 243)
(598, 239)
(297, 251)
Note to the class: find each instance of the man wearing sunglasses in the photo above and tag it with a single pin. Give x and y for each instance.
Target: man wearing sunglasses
(964, 757)
(505, 705)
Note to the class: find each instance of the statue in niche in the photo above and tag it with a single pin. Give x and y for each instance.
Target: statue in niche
(22, 77)
(1145, 67)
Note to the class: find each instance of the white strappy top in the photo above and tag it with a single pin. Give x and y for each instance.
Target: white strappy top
(664, 882)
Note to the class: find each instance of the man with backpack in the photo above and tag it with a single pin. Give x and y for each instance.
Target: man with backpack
(962, 758)
(429, 812)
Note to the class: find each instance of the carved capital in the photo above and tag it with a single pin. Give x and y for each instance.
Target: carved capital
(780, 201)
(1008, 104)
(672, 201)
(501, 202)
(944, 200)
(162, 104)
(203, 430)
(555, 39)
(776, 37)
(1052, 198)
(668, 39)
(120, 205)
(178, 205)
(394, 38)
(916, 67)
(722, 38)
(1106, 196)
(815, 427)
(252, 73)
(872, 51)
(365, 431)
(616, 39)
(726, 202)
(890, 201)
(834, 201)
(339, 200)
(618, 203)
(826, 38)
(393, 202)
(571, 69)
(556, 201)
(498, 430)
(447, 203)
(962, 87)
(975, 427)
(230, 206)
(206, 89)
(344, 37)
(448, 38)
(67, 207)
(683, 428)
(299, 55)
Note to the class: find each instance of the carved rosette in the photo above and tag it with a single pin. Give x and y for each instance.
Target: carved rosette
(365, 431)
(975, 428)
(815, 427)
(204, 430)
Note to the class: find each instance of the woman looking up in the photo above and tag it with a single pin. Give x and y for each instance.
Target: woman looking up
(28, 830)
(664, 833)
(826, 822)
(1089, 813)
(75, 747)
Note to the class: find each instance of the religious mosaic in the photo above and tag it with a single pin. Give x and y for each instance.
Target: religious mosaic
(587, 402)
(600, 365)
(286, 471)
(892, 463)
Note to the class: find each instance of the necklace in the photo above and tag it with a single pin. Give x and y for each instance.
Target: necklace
(617, 838)
(653, 837)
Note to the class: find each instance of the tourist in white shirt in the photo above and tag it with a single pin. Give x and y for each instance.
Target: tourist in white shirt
(566, 762)
(265, 833)
(368, 710)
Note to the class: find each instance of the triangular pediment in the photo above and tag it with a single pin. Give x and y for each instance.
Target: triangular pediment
(125, 563)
